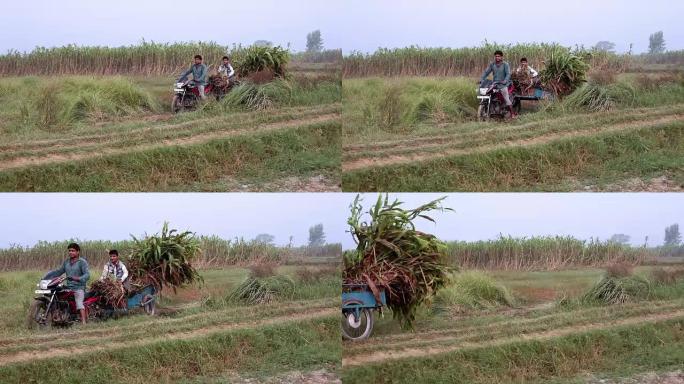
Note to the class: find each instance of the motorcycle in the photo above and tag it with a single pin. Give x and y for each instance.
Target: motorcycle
(186, 93)
(55, 305)
(492, 103)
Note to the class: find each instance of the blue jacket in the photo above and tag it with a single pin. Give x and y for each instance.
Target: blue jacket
(77, 269)
(501, 73)
(199, 73)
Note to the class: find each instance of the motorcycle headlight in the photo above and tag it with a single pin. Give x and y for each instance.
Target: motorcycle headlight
(483, 91)
(179, 85)
(44, 284)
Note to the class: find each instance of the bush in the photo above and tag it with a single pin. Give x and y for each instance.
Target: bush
(472, 290)
(617, 290)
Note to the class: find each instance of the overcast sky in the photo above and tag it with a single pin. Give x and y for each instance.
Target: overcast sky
(29, 217)
(362, 25)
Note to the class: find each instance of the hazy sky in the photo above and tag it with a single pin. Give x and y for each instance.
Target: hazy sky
(29, 217)
(348, 24)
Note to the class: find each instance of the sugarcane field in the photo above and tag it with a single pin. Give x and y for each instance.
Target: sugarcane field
(136, 114)
(553, 118)
(421, 305)
(170, 303)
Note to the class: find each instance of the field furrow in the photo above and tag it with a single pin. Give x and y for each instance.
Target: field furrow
(435, 348)
(40, 353)
(429, 151)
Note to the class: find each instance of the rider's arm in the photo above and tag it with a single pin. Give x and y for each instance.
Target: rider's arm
(185, 73)
(486, 73)
(55, 273)
(507, 73)
(125, 271)
(203, 75)
(85, 273)
(231, 71)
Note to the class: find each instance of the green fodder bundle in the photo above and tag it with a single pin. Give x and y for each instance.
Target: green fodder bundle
(66, 101)
(600, 98)
(472, 290)
(165, 259)
(391, 255)
(262, 290)
(256, 97)
(564, 71)
(112, 291)
(257, 59)
(617, 290)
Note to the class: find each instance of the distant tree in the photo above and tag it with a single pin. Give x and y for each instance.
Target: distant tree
(605, 46)
(263, 43)
(316, 236)
(264, 238)
(656, 43)
(620, 238)
(672, 235)
(314, 41)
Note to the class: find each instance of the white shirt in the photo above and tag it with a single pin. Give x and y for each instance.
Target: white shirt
(226, 69)
(106, 271)
(533, 73)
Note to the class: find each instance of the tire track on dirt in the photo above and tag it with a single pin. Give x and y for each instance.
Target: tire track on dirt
(21, 162)
(521, 143)
(379, 357)
(473, 130)
(79, 138)
(95, 333)
(22, 357)
(500, 330)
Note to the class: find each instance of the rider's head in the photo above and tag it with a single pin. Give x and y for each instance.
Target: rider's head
(74, 250)
(198, 59)
(226, 59)
(114, 256)
(498, 55)
(523, 62)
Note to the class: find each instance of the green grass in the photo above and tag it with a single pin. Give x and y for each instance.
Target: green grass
(254, 158)
(557, 166)
(472, 290)
(622, 351)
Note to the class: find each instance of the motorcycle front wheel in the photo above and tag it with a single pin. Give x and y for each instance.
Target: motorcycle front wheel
(482, 112)
(176, 104)
(37, 317)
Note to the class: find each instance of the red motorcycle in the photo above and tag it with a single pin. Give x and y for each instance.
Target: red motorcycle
(55, 305)
(492, 103)
(186, 95)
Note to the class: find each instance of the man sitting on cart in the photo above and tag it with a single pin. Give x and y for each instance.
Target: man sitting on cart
(525, 70)
(501, 73)
(225, 69)
(116, 269)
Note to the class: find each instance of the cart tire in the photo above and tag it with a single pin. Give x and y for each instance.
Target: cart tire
(150, 308)
(36, 310)
(359, 331)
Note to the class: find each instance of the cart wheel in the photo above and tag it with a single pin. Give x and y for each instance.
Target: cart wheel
(357, 329)
(150, 307)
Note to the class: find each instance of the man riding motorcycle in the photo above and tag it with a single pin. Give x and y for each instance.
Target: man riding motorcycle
(199, 75)
(77, 273)
(501, 73)
(115, 269)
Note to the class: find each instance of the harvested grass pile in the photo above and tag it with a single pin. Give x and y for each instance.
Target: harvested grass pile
(256, 97)
(392, 255)
(617, 288)
(164, 259)
(112, 291)
(564, 71)
(263, 59)
(472, 291)
(262, 290)
(600, 98)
